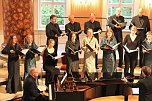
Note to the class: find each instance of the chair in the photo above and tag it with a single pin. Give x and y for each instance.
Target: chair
(64, 61)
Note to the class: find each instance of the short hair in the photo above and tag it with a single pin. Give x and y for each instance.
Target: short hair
(50, 40)
(149, 33)
(92, 14)
(29, 35)
(146, 71)
(134, 27)
(32, 70)
(52, 16)
(89, 29)
(70, 16)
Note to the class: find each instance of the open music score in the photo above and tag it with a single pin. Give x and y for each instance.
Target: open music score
(138, 28)
(146, 49)
(56, 57)
(74, 52)
(99, 31)
(34, 51)
(123, 24)
(74, 32)
(24, 51)
(128, 50)
(113, 47)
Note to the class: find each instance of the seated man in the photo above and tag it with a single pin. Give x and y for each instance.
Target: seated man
(31, 91)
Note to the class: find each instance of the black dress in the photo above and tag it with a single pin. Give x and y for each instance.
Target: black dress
(73, 27)
(14, 80)
(72, 59)
(49, 67)
(131, 58)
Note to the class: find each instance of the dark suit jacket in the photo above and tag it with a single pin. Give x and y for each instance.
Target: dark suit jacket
(117, 31)
(73, 27)
(143, 23)
(145, 88)
(95, 26)
(31, 92)
(52, 30)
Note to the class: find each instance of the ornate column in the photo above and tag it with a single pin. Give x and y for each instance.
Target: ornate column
(17, 19)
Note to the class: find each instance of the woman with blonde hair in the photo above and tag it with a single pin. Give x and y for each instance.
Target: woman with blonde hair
(49, 63)
(131, 42)
(90, 46)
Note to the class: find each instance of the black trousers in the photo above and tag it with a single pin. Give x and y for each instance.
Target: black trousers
(130, 62)
(120, 51)
(118, 36)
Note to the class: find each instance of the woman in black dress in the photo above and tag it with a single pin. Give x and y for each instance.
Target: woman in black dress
(49, 63)
(12, 49)
(72, 49)
(132, 42)
(147, 49)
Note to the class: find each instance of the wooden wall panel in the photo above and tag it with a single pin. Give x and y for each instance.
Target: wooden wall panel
(83, 8)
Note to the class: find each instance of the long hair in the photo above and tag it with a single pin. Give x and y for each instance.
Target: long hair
(109, 30)
(149, 33)
(70, 36)
(10, 39)
(146, 71)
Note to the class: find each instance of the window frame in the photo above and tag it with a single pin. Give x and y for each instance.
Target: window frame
(121, 5)
(52, 3)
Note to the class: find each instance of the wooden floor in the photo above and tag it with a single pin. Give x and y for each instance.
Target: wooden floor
(5, 96)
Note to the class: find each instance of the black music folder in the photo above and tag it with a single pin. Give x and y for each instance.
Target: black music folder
(111, 76)
(112, 47)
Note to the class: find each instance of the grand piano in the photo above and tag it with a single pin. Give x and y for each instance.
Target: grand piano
(87, 90)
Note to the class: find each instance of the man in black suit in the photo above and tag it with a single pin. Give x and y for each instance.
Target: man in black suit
(144, 84)
(95, 25)
(53, 32)
(143, 25)
(30, 90)
(113, 22)
(73, 26)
